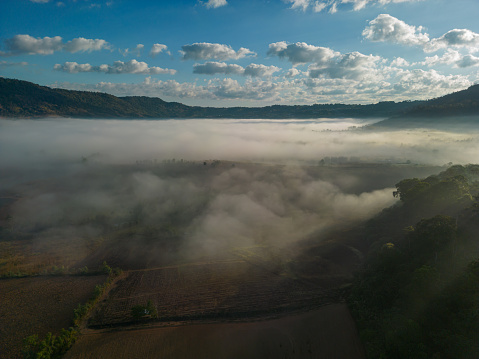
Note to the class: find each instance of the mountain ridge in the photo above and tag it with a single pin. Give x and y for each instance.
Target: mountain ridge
(22, 99)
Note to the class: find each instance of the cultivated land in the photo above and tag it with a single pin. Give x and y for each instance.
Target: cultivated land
(38, 305)
(328, 332)
(248, 301)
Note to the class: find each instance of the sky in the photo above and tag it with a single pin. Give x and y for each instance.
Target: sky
(244, 52)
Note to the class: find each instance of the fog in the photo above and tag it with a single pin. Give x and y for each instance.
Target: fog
(27, 142)
(206, 187)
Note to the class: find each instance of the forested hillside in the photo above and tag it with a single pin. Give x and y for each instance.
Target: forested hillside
(418, 293)
(22, 99)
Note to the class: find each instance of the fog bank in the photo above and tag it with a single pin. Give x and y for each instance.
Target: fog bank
(34, 141)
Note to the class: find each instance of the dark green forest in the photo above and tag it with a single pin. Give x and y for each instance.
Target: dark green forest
(417, 295)
(22, 99)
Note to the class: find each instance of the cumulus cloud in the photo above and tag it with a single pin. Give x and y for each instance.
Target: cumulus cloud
(209, 51)
(258, 70)
(354, 66)
(136, 50)
(293, 72)
(216, 89)
(387, 28)
(253, 70)
(85, 45)
(450, 57)
(468, 61)
(400, 62)
(344, 78)
(26, 44)
(157, 49)
(213, 68)
(416, 82)
(332, 5)
(301, 53)
(327, 63)
(251, 90)
(213, 4)
(454, 38)
(118, 67)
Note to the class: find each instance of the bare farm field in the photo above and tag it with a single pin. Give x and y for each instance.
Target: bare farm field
(215, 291)
(328, 332)
(38, 305)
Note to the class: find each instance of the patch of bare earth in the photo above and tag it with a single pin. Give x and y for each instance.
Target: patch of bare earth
(215, 291)
(38, 305)
(328, 332)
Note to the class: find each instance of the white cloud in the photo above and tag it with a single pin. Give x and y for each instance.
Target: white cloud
(353, 66)
(299, 4)
(73, 67)
(81, 44)
(387, 28)
(400, 62)
(213, 68)
(319, 6)
(301, 53)
(350, 85)
(454, 38)
(428, 84)
(157, 49)
(226, 89)
(26, 44)
(253, 70)
(213, 4)
(136, 50)
(293, 72)
(118, 67)
(257, 70)
(251, 90)
(452, 57)
(467, 61)
(208, 51)
(332, 5)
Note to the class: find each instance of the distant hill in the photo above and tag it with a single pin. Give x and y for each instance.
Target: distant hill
(22, 99)
(458, 108)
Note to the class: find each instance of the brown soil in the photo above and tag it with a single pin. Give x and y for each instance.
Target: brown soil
(38, 305)
(219, 290)
(325, 333)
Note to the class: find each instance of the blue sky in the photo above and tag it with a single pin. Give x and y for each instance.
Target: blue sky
(245, 52)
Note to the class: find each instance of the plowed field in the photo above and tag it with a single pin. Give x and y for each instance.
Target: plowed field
(230, 289)
(38, 305)
(328, 332)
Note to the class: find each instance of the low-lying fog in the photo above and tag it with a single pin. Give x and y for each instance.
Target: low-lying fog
(33, 141)
(209, 207)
